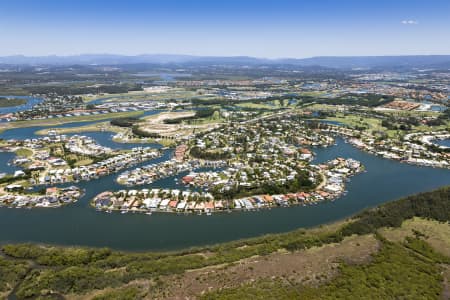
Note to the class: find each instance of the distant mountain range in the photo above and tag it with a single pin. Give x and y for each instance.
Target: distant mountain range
(414, 61)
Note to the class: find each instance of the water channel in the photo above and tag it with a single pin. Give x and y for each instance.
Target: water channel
(79, 224)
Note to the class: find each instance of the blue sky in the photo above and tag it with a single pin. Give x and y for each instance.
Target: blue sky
(281, 28)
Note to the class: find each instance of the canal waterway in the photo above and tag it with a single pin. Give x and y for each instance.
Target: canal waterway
(31, 101)
(30, 132)
(6, 165)
(80, 224)
(445, 143)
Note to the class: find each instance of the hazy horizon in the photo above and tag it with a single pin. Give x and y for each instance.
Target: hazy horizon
(212, 56)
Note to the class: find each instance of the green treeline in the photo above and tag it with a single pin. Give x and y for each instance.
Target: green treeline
(124, 122)
(199, 114)
(433, 205)
(301, 182)
(369, 100)
(200, 153)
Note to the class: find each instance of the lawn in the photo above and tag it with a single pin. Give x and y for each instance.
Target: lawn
(24, 152)
(83, 162)
(357, 121)
(63, 120)
(255, 105)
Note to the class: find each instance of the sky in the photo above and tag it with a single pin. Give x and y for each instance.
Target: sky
(272, 29)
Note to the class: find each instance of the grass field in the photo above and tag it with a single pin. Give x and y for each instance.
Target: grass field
(326, 107)
(64, 120)
(313, 94)
(357, 121)
(412, 113)
(83, 162)
(24, 152)
(375, 124)
(256, 105)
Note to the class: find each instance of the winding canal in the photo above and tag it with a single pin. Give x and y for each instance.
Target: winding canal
(445, 143)
(31, 101)
(79, 224)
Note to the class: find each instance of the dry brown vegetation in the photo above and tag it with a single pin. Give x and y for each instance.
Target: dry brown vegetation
(311, 267)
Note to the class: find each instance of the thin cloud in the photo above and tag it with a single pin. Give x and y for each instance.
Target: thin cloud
(409, 22)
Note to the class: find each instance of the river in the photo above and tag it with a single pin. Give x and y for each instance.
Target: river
(6, 165)
(30, 132)
(79, 224)
(31, 101)
(445, 142)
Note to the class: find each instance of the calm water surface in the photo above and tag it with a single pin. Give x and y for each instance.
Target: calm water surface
(6, 165)
(30, 132)
(31, 101)
(443, 142)
(79, 224)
